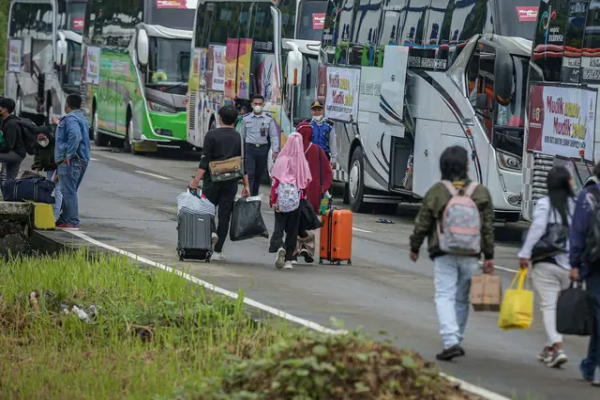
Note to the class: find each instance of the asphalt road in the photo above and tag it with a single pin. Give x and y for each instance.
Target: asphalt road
(130, 202)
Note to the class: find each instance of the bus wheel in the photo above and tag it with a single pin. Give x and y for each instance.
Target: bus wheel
(128, 144)
(356, 182)
(99, 138)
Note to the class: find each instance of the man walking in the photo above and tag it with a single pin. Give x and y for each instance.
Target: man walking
(72, 155)
(12, 148)
(585, 263)
(221, 144)
(475, 234)
(257, 129)
(323, 133)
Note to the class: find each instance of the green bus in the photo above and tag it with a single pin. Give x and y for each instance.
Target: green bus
(136, 61)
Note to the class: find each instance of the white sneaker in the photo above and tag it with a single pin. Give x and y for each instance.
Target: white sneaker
(217, 257)
(215, 239)
(280, 261)
(288, 265)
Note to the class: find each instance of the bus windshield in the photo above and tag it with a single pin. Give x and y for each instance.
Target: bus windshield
(311, 19)
(305, 94)
(517, 18)
(169, 61)
(71, 15)
(180, 16)
(73, 68)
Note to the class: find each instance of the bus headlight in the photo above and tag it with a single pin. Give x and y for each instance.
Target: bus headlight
(161, 108)
(508, 161)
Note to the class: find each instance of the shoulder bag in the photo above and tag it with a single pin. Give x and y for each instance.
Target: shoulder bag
(553, 242)
(230, 169)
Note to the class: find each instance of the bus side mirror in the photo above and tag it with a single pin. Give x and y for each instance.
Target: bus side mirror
(61, 53)
(142, 47)
(503, 71)
(294, 65)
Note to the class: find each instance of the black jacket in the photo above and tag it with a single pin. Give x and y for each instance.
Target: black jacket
(43, 159)
(12, 136)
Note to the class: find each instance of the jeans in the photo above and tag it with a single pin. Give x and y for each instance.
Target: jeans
(549, 280)
(11, 163)
(70, 177)
(256, 164)
(590, 364)
(57, 206)
(222, 195)
(452, 289)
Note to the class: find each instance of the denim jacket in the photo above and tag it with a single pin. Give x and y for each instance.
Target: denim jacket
(72, 138)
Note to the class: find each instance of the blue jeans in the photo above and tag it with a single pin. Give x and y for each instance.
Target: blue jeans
(452, 290)
(592, 361)
(57, 206)
(70, 177)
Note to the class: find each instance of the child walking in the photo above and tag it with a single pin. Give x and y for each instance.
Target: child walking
(291, 176)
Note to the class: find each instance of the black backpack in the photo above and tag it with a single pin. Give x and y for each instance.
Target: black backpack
(29, 132)
(592, 240)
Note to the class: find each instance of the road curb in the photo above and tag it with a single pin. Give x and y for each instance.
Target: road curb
(54, 242)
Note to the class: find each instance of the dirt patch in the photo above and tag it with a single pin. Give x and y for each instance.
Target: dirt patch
(14, 239)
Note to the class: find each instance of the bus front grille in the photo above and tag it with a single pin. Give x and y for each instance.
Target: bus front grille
(542, 164)
(192, 112)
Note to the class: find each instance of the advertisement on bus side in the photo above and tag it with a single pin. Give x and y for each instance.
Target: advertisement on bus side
(343, 87)
(562, 121)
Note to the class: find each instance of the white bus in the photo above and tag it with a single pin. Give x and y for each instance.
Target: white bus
(44, 55)
(421, 75)
(564, 79)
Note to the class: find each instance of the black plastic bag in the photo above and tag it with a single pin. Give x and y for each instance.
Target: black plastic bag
(575, 312)
(308, 218)
(247, 221)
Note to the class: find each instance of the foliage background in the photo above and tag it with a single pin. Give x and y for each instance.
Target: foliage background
(4, 6)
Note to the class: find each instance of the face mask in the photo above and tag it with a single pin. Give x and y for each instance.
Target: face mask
(318, 118)
(257, 109)
(44, 143)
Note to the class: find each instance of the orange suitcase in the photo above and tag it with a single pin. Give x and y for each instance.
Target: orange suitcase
(336, 237)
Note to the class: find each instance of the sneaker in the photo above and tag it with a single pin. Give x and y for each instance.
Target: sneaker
(215, 239)
(67, 227)
(294, 262)
(217, 257)
(288, 265)
(280, 261)
(557, 358)
(545, 355)
(450, 353)
(307, 257)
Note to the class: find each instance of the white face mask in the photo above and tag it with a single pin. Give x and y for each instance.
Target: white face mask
(257, 109)
(318, 118)
(44, 143)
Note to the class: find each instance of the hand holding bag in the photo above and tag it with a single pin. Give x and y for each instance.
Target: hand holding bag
(516, 311)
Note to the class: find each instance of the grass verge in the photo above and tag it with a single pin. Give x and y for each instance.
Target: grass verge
(71, 327)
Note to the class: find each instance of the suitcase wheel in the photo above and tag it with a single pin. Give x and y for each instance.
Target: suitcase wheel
(349, 262)
(320, 261)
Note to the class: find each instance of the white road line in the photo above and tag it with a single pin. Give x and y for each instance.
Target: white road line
(153, 175)
(476, 390)
(93, 159)
(279, 313)
(361, 230)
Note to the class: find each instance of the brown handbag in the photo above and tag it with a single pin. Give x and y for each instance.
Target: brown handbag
(228, 170)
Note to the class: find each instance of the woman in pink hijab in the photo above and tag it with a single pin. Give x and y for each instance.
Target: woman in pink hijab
(291, 176)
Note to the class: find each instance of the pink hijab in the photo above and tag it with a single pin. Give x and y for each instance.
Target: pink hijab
(291, 165)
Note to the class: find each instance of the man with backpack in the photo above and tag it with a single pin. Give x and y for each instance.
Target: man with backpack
(457, 217)
(12, 150)
(584, 256)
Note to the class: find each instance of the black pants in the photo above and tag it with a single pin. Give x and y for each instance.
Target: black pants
(285, 222)
(256, 164)
(222, 195)
(11, 163)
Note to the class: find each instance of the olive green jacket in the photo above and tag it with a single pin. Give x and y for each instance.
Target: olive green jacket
(432, 207)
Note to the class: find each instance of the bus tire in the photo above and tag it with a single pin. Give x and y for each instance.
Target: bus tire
(128, 144)
(100, 139)
(356, 182)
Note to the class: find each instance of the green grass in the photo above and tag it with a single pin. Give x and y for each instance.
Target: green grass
(153, 334)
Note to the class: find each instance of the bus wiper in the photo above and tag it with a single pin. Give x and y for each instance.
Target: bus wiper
(180, 84)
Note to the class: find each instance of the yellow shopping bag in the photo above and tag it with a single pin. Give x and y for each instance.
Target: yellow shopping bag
(516, 311)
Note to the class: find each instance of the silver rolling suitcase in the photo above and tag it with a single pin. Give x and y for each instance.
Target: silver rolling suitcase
(194, 236)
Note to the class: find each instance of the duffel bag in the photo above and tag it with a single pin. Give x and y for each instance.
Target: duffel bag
(35, 188)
